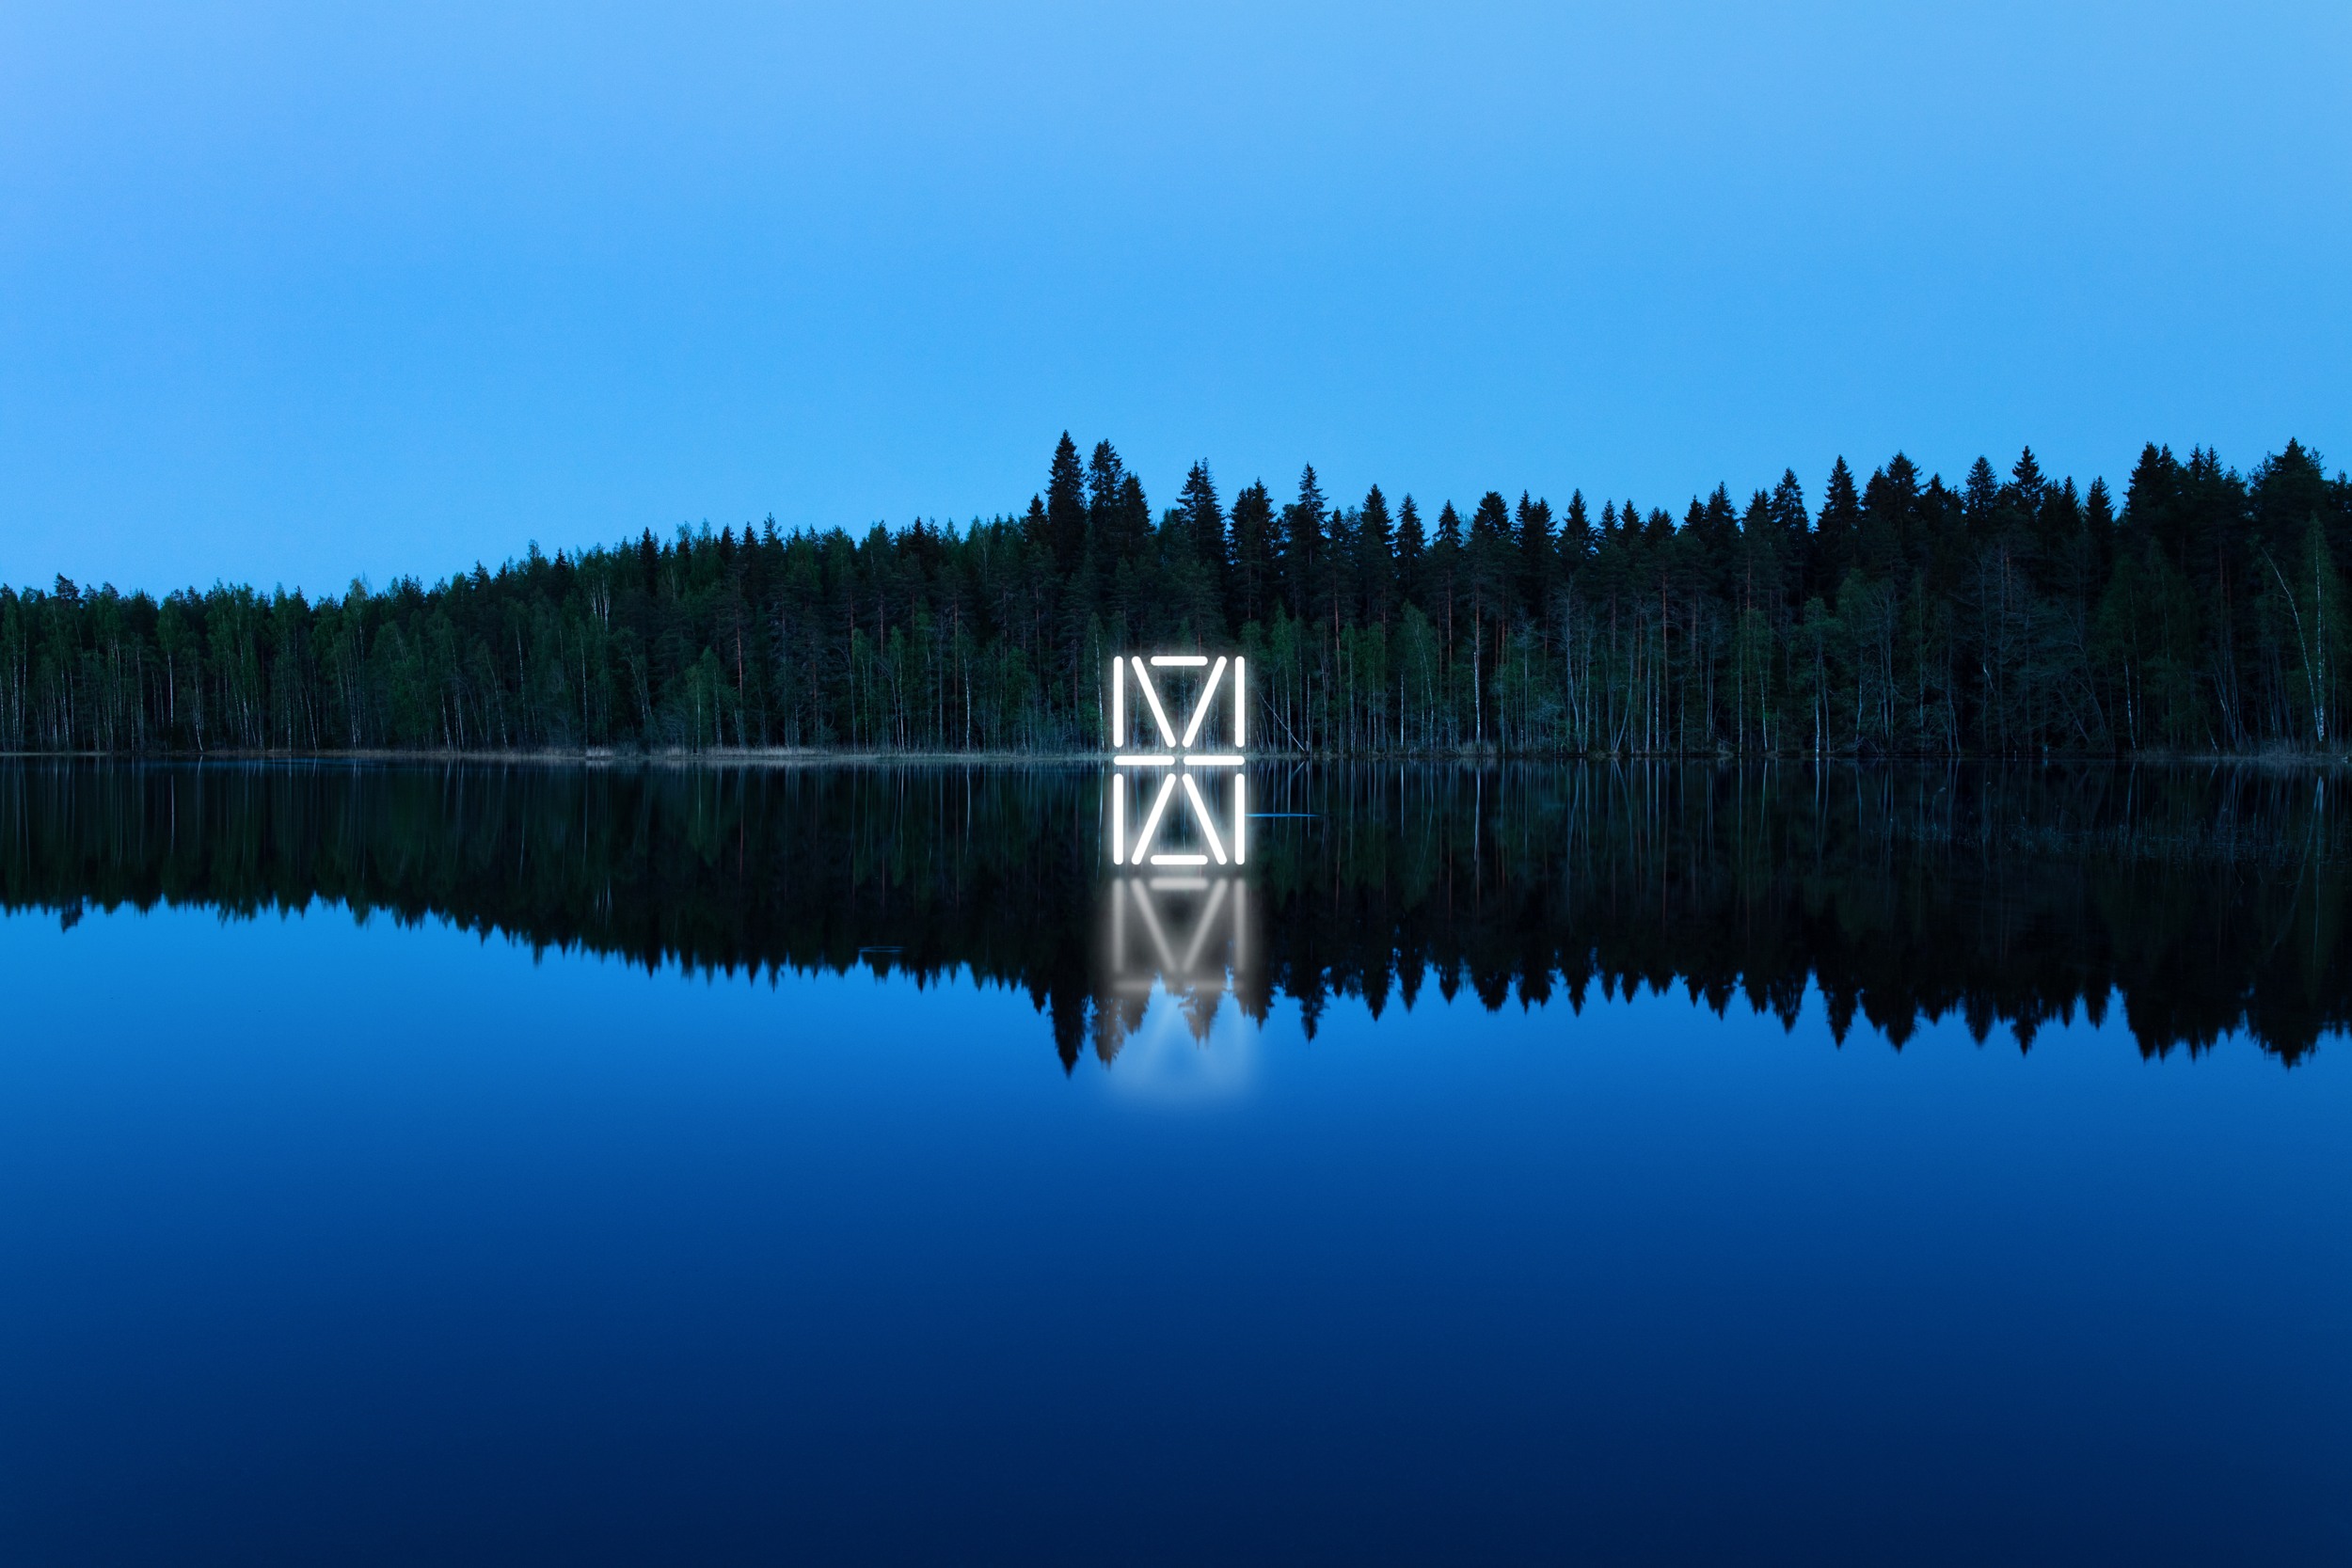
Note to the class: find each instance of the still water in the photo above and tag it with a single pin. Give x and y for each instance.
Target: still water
(1673, 1165)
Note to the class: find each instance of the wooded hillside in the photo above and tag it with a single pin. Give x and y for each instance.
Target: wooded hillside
(1901, 615)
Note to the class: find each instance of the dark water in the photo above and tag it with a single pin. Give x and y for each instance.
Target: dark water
(1660, 1165)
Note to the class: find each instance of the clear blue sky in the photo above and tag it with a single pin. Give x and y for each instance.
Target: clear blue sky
(296, 292)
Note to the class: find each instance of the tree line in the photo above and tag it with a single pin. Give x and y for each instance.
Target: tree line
(2206, 902)
(1901, 616)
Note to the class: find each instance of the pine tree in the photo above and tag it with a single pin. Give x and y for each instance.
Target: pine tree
(1489, 556)
(1066, 506)
(2026, 479)
(1205, 525)
(1835, 534)
(1411, 553)
(1537, 556)
(1254, 563)
(1118, 520)
(1303, 545)
(1576, 540)
(1340, 594)
(1442, 580)
(1375, 558)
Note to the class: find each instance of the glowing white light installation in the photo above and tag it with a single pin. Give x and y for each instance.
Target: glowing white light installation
(1176, 755)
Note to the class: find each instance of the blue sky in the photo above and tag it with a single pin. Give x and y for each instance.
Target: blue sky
(294, 293)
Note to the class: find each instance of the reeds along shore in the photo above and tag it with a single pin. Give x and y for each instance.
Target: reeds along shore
(1901, 616)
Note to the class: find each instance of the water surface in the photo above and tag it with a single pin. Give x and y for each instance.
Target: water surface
(427, 1164)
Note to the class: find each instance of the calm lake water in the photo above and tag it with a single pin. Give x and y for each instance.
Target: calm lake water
(452, 1164)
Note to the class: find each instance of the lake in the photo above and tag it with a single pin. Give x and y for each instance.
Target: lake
(1634, 1163)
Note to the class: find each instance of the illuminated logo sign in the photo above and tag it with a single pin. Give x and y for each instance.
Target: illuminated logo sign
(1198, 763)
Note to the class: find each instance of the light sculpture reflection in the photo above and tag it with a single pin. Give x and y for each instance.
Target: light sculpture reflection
(1186, 934)
(1179, 816)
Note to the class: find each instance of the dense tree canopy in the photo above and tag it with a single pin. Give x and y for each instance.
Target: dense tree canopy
(2004, 616)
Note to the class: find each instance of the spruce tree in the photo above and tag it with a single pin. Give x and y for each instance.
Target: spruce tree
(1066, 506)
(1575, 546)
(1788, 504)
(1302, 546)
(1375, 558)
(1411, 552)
(1338, 594)
(1119, 521)
(1442, 580)
(1536, 555)
(1834, 535)
(1130, 519)
(1204, 522)
(1254, 576)
(2026, 479)
(1489, 560)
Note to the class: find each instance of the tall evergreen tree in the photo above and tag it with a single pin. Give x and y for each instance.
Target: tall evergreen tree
(1576, 539)
(1411, 552)
(1204, 523)
(1302, 546)
(1537, 556)
(1256, 579)
(1375, 558)
(1835, 535)
(1066, 506)
(1117, 517)
(1442, 579)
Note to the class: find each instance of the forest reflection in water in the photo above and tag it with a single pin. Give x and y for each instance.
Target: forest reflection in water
(2208, 900)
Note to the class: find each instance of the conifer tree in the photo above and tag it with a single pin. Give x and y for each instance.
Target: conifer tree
(1411, 552)
(1375, 558)
(1444, 577)
(1575, 545)
(1066, 506)
(1537, 556)
(1302, 546)
(1204, 526)
(1834, 535)
(1255, 580)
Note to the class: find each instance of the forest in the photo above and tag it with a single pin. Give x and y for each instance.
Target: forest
(1902, 615)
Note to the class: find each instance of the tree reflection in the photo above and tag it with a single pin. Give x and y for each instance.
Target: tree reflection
(2207, 901)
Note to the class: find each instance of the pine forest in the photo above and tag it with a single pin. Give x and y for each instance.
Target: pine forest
(2200, 614)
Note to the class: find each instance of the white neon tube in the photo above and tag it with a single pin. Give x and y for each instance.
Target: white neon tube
(1159, 714)
(1240, 817)
(1119, 818)
(1179, 859)
(1241, 701)
(1208, 824)
(1200, 709)
(1118, 702)
(1151, 819)
(1181, 661)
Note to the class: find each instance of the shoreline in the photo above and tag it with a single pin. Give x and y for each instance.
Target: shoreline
(780, 756)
